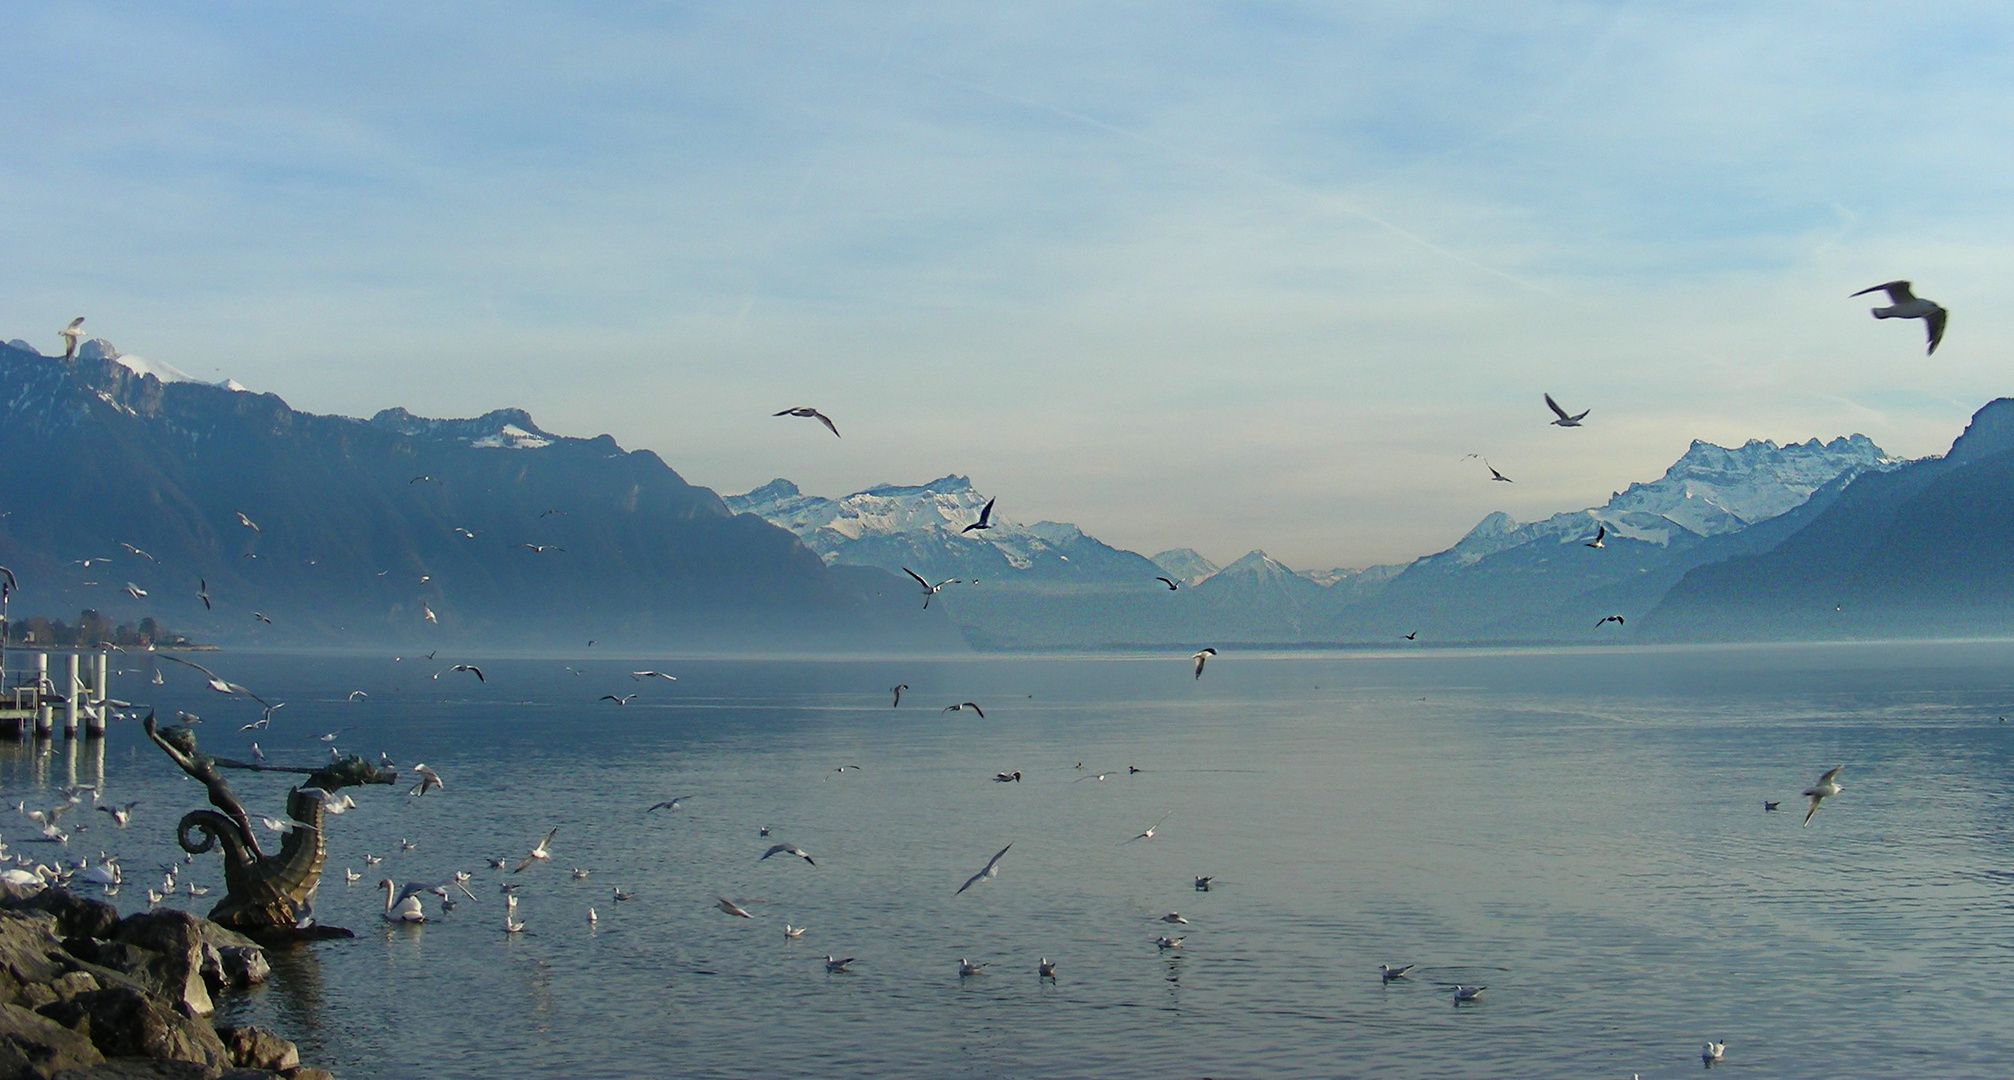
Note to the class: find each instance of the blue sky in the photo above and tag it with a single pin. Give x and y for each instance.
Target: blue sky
(1224, 276)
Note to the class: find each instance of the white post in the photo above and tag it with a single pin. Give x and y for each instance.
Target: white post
(104, 687)
(76, 691)
(42, 718)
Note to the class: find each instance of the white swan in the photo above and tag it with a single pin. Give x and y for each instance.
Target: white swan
(406, 909)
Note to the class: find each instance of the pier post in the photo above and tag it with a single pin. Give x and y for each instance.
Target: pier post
(104, 688)
(70, 706)
(43, 721)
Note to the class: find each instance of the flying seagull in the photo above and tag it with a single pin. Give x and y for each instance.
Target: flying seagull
(538, 852)
(219, 685)
(70, 334)
(429, 780)
(642, 675)
(203, 592)
(1414, 636)
(897, 691)
(1599, 532)
(470, 668)
(427, 613)
(136, 551)
(991, 869)
(623, 700)
(540, 548)
(262, 618)
(808, 411)
(788, 849)
(1903, 304)
(134, 591)
(246, 522)
(964, 705)
(985, 519)
(929, 590)
(668, 804)
(1616, 619)
(1563, 420)
(1169, 583)
(1827, 786)
(735, 909)
(1149, 834)
(1495, 475)
(1202, 658)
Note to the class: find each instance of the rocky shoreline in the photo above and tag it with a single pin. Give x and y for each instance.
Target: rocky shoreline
(87, 995)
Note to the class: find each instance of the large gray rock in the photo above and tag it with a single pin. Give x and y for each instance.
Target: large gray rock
(76, 916)
(123, 1022)
(257, 1048)
(149, 1069)
(29, 957)
(36, 1046)
(178, 937)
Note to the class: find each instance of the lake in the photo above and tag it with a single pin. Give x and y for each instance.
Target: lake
(1580, 830)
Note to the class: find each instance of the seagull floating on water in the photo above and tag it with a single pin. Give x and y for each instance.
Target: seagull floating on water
(1713, 1052)
(1560, 415)
(834, 965)
(1175, 917)
(1769, 807)
(1387, 973)
(792, 933)
(966, 967)
(1827, 786)
(1203, 882)
(1169, 942)
(1468, 993)
(1903, 304)
(1046, 969)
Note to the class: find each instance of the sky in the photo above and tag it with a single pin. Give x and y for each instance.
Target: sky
(1223, 276)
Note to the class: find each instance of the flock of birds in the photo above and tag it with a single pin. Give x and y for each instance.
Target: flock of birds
(406, 904)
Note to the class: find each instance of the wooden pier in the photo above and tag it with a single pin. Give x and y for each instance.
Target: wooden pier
(30, 699)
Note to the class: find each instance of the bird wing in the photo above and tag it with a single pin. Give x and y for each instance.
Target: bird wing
(975, 708)
(1554, 406)
(917, 576)
(476, 671)
(986, 513)
(1933, 324)
(827, 421)
(1165, 581)
(785, 412)
(186, 663)
(1831, 774)
(1815, 800)
(776, 849)
(984, 871)
(74, 324)
(1887, 287)
(1600, 531)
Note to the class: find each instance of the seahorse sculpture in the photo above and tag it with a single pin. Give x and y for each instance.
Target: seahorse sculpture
(262, 892)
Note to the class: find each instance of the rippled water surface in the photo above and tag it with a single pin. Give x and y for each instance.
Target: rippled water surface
(1583, 832)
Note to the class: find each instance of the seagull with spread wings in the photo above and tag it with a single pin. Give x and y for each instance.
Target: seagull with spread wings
(1560, 415)
(810, 413)
(1903, 304)
(1495, 475)
(1169, 582)
(247, 522)
(929, 590)
(1827, 786)
(985, 519)
(1202, 657)
(897, 691)
(1599, 532)
(964, 706)
(787, 849)
(991, 869)
(539, 852)
(1148, 834)
(70, 334)
(219, 685)
(470, 668)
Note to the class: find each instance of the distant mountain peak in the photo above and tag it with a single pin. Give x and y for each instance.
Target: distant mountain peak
(943, 485)
(1990, 432)
(500, 428)
(1185, 565)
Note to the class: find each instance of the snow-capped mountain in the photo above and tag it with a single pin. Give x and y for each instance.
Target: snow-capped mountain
(1710, 491)
(1185, 565)
(922, 528)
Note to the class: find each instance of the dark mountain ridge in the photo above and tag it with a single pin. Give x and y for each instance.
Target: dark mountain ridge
(366, 525)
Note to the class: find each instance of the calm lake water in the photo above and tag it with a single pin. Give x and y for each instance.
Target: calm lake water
(1581, 831)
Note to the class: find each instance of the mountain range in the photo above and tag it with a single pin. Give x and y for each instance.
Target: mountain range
(396, 529)
(1051, 585)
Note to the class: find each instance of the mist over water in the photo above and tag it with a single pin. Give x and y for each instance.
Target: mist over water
(1582, 831)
